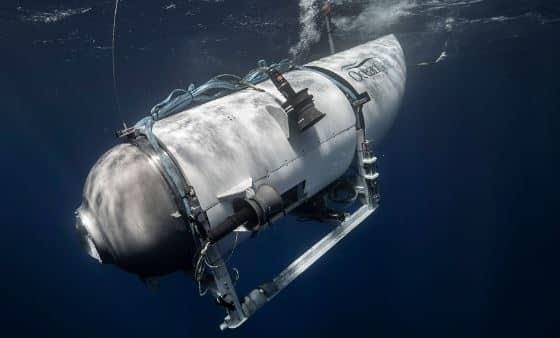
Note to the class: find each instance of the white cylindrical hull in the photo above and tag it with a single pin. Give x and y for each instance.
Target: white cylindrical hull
(227, 146)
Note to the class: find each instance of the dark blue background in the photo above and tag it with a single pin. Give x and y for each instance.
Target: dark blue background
(465, 243)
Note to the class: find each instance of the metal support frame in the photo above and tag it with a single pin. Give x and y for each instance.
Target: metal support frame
(195, 217)
(367, 187)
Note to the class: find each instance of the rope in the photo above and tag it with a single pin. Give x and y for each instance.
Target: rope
(200, 268)
(115, 90)
(229, 256)
(218, 86)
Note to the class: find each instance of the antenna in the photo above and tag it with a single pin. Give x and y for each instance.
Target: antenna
(326, 10)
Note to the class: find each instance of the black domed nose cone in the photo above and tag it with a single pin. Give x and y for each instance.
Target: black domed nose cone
(129, 217)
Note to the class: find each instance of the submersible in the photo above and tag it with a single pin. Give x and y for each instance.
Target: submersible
(189, 182)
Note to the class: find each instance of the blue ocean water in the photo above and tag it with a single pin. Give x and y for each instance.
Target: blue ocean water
(466, 240)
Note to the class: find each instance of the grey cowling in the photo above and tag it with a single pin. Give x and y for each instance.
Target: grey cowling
(251, 212)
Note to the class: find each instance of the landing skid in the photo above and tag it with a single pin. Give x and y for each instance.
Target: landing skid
(265, 292)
